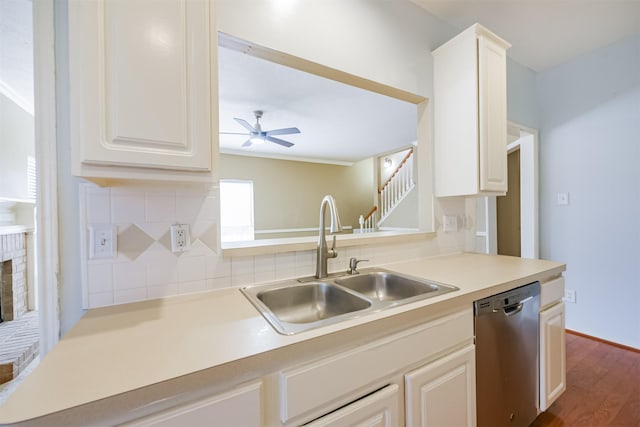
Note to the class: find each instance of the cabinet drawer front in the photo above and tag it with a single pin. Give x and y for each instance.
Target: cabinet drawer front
(335, 380)
(377, 410)
(551, 292)
(240, 407)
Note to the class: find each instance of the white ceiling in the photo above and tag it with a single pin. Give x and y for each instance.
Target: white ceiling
(544, 33)
(338, 123)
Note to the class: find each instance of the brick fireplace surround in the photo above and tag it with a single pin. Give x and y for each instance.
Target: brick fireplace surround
(19, 341)
(13, 277)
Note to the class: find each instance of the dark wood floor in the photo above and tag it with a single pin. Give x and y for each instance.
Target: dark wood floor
(603, 387)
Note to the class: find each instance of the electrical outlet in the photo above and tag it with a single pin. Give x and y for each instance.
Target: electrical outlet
(570, 295)
(180, 238)
(102, 241)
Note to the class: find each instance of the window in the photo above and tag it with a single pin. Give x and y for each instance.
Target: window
(236, 210)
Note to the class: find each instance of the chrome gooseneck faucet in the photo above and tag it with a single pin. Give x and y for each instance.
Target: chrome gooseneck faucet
(323, 253)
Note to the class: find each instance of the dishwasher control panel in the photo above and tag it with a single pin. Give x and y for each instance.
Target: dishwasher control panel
(507, 299)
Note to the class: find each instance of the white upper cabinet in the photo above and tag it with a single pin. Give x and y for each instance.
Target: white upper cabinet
(470, 114)
(143, 88)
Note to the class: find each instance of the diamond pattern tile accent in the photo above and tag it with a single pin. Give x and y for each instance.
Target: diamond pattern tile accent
(210, 237)
(132, 242)
(165, 241)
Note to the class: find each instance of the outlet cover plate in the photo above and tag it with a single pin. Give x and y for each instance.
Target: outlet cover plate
(180, 238)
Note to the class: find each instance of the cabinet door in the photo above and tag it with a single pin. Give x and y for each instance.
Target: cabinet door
(379, 409)
(240, 407)
(141, 83)
(443, 393)
(553, 369)
(492, 76)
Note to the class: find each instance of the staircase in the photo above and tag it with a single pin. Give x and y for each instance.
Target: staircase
(390, 194)
(396, 188)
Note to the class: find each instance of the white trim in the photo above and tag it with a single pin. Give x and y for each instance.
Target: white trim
(529, 193)
(276, 156)
(47, 204)
(527, 143)
(297, 230)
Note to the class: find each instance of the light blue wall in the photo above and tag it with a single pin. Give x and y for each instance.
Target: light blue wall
(589, 112)
(521, 94)
(70, 288)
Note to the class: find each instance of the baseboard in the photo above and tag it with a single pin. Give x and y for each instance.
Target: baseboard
(615, 344)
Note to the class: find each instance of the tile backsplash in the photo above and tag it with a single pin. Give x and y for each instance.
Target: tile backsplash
(145, 267)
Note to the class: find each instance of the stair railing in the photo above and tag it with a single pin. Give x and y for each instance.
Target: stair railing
(397, 185)
(368, 222)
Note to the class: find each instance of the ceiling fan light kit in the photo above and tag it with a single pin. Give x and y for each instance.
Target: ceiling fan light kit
(258, 136)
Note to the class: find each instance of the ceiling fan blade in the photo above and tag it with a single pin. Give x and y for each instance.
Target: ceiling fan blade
(284, 131)
(279, 141)
(245, 124)
(247, 143)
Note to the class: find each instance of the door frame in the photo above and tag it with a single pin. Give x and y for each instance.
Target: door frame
(47, 264)
(524, 139)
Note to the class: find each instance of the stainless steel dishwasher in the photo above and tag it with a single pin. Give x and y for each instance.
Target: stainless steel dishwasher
(506, 328)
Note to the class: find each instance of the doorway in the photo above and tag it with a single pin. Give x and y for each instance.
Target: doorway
(508, 209)
(44, 238)
(19, 331)
(523, 163)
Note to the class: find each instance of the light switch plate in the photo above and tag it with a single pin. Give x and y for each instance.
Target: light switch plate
(563, 198)
(570, 295)
(449, 223)
(103, 242)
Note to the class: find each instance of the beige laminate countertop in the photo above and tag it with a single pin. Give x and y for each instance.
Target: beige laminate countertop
(117, 349)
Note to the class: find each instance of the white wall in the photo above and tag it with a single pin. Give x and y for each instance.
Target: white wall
(17, 143)
(386, 41)
(521, 94)
(589, 148)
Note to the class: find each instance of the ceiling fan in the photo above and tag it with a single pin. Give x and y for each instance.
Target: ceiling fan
(258, 136)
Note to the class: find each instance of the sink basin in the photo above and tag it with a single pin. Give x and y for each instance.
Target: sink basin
(310, 302)
(386, 286)
(292, 308)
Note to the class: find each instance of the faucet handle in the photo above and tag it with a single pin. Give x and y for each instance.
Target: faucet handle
(353, 265)
(332, 253)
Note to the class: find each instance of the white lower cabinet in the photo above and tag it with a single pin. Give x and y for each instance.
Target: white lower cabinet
(442, 393)
(343, 384)
(379, 409)
(552, 355)
(240, 407)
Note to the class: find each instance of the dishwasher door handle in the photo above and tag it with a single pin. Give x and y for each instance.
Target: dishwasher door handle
(513, 310)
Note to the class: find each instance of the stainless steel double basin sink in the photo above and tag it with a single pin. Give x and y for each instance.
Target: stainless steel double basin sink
(292, 307)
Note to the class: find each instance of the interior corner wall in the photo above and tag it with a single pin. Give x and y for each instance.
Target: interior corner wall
(589, 127)
(70, 281)
(521, 94)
